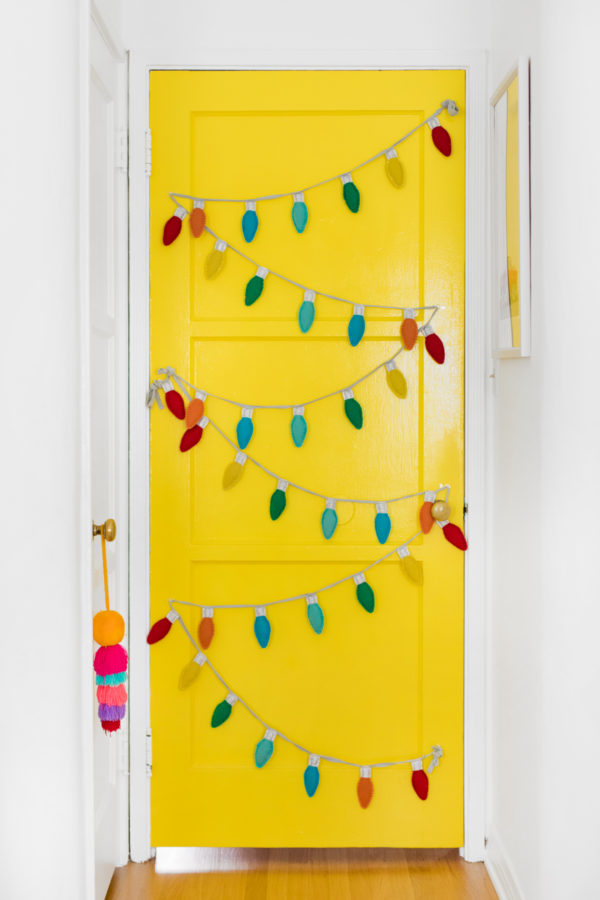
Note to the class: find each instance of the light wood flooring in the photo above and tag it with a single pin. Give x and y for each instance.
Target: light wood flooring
(345, 874)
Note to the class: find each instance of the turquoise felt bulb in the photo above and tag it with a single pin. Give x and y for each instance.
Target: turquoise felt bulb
(263, 752)
(299, 215)
(277, 504)
(299, 429)
(354, 412)
(244, 431)
(315, 617)
(249, 225)
(351, 196)
(311, 780)
(365, 596)
(262, 630)
(329, 522)
(356, 329)
(383, 526)
(306, 316)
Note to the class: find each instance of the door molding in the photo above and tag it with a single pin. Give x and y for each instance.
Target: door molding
(474, 63)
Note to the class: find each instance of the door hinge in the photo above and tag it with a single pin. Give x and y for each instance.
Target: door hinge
(121, 151)
(149, 753)
(148, 152)
(465, 508)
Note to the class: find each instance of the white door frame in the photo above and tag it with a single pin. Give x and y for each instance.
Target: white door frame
(475, 65)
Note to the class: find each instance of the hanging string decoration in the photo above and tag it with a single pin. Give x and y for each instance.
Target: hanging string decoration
(265, 747)
(110, 660)
(299, 210)
(307, 310)
(410, 567)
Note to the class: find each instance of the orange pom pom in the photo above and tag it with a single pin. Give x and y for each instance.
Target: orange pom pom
(109, 627)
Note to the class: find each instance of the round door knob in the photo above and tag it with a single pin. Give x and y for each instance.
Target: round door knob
(108, 529)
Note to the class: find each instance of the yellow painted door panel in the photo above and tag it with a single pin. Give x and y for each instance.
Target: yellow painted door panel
(370, 687)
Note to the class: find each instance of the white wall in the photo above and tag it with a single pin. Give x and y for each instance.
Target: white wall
(43, 837)
(545, 664)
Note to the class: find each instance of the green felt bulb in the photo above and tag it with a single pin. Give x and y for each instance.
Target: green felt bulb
(221, 713)
(277, 505)
(254, 289)
(354, 412)
(351, 196)
(365, 596)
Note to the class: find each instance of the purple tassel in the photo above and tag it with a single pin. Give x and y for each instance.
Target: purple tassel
(108, 713)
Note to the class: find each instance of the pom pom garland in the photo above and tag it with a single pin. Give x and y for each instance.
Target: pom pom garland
(110, 660)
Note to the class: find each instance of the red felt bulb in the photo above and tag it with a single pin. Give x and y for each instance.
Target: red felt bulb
(159, 631)
(442, 140)
(191, 437)
(171, 230)
(111, 726)
(175, 403)
(364, 789)
(425, 517)
(435, 347)
(420, 783)
(454, 535)
(206, 630)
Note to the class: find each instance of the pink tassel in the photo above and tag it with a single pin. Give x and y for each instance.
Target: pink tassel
(112, 696)
(109, 660)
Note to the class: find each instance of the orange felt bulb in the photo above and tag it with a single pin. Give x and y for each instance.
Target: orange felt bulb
(364, 789)
(109, 627)
(197, 221)
(409, 332)
(206, 631)
(194, 412)
(425, 517)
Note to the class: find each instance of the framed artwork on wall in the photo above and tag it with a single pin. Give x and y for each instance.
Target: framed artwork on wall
(511, 215)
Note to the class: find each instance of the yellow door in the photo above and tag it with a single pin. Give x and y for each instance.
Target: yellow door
(371, 687)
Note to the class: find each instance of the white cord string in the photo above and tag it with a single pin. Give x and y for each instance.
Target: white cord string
(435, 751)
(171, 372)
(302, 596)
(299, 487)
(447, 104)
(303, 287)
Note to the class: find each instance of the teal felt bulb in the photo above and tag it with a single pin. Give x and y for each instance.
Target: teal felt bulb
(365, 596)
(299, 215)
(356, 329)
(249, 225)
(329, 522)
(221, 713)
(244, 431)
(354, 412)
(311, 780)
(277, 504)
(254, 289)
(262, 630)
(263, 752)
(306, 316)
(315, 617)
(299, 429)
(351, 196)
(383, 526)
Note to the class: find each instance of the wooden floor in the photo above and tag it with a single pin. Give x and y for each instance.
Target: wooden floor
(228, 874)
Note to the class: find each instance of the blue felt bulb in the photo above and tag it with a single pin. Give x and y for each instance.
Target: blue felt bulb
(249, 225)
(244, 431)
(315, 617)
(356, 328)
(262, 630)
(299, 429)
(311, 780)
(329, 522)
(383, 526)
(299, 215)
(263, 752)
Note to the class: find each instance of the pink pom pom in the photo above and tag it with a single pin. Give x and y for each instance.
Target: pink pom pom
(112, 696)
(110, 660)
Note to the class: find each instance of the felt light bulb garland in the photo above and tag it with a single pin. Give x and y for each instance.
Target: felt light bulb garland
(245, 428)
(172, 228)
(434, 345)
(353, 409)
(255, 286)
(234, 471)
(383, 523)
(278, 500)
(425, 518)
(197, 218)
(409, 330)
(329, 520)
(396, 380)
(356, 326)
(195, 409)
(350, 193)
(174, 401)
(306, 313)
(262, 626)
(412, 568)
(215, 260)
(190, 673)
(364, 593)
(314, 613)
(206, 628)
(298, 426)
(162, 627)
(192, 435)
(264, 749)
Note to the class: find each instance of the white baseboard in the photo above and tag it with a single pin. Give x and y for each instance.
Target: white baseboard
(499, 869)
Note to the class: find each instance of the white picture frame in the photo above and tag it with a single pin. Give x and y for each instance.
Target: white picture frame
(511, 215)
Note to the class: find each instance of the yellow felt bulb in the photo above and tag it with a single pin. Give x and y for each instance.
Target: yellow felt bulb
(190, 672)
(234, 471)
(215, 260)
(411, 567)
(396, 380)
(393, 168)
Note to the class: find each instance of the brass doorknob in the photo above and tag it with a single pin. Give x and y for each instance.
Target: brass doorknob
(108, 529)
